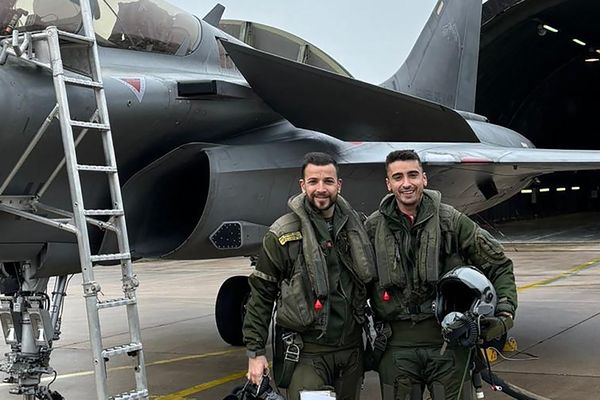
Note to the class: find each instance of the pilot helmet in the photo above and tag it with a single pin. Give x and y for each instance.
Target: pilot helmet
(464, 290)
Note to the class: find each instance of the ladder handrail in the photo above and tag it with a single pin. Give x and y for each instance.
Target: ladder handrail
(20, 46)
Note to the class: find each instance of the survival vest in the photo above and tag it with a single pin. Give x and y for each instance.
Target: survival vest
(395, 298)
(307, 282)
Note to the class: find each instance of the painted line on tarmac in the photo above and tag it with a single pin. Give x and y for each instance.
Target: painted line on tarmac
(202, 387)
(208, 385)
(562, 275)
(195, 356)
(127, 367)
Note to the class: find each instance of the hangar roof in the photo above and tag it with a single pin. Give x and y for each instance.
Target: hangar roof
(537, 81)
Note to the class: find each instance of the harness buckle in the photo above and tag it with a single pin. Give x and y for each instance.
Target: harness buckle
(292, 353)
(292, 350)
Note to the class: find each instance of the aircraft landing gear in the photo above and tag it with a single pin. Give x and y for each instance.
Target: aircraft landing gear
(29, 326)
(231, 308)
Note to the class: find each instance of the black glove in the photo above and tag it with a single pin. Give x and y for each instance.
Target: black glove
(494, 327)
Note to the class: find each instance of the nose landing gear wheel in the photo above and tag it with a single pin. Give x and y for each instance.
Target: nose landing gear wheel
(231, 308)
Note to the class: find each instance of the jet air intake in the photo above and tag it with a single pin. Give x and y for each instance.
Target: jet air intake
(194, 201)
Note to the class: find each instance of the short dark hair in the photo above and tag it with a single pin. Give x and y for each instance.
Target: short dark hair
(318, 158)
(402, 155)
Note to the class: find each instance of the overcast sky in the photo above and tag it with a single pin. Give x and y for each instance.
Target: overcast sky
(370, 39)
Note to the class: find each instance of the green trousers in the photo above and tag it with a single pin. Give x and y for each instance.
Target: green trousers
(404, 373)
(340, 371)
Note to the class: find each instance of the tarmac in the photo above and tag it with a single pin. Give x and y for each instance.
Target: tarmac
(556, 325)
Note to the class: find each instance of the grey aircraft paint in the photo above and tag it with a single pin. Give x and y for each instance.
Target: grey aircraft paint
(209, 156)
(451, 34)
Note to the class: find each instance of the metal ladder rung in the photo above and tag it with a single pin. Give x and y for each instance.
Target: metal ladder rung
(115, 303)
(91, 81)
(83, 82)
(110, 257)
(63, 220)
(103, 212)
(73, 38)
(96, 168)
(90, 125)
(121, 349)
(133, 395)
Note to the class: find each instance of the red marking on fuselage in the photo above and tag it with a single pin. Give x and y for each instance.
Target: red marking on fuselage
(135, 83)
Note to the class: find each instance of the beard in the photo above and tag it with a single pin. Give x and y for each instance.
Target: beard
(322, 203)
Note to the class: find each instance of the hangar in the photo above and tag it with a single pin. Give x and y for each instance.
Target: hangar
(539, 74)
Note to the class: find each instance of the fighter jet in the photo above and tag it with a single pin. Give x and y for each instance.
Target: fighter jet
(209, 133)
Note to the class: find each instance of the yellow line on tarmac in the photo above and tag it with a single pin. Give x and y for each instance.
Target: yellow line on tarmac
(201, 387)
(208, 385)
(194, 357)
(562, 275)
(161, 362)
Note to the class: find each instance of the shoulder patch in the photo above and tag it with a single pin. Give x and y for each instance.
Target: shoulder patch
(290, 237)
(288, 223)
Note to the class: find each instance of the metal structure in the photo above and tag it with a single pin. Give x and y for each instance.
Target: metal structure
(29, 323)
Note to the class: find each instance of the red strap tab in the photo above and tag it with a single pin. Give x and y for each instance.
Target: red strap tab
(386, 296)
(318, 305)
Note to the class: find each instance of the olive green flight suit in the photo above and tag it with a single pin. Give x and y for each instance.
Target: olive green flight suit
(333, 351)
(411, 258)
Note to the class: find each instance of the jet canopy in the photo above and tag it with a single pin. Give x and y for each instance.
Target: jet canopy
(144, 25)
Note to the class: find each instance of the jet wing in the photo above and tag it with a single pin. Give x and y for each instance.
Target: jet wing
(475, 177)
(342, 107)
(518, 160)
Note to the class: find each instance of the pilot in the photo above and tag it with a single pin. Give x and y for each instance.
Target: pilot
(315, 263)
(417, 239)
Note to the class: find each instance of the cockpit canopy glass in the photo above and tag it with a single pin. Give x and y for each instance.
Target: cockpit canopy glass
(147, 25)
(32, 15)
(143, 25)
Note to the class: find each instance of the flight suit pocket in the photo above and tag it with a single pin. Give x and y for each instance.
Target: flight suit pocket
(442, 367)
(294, 306)
(407, 383)
(386, 303)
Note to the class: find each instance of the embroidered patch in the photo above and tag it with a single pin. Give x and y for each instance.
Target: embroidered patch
(264, 276)
(290, 237)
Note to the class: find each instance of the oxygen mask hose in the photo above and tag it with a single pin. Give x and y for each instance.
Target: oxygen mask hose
(498, 384)
(462, 330)
(509, 389)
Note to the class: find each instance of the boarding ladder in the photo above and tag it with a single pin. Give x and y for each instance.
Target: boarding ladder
(78, 219)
